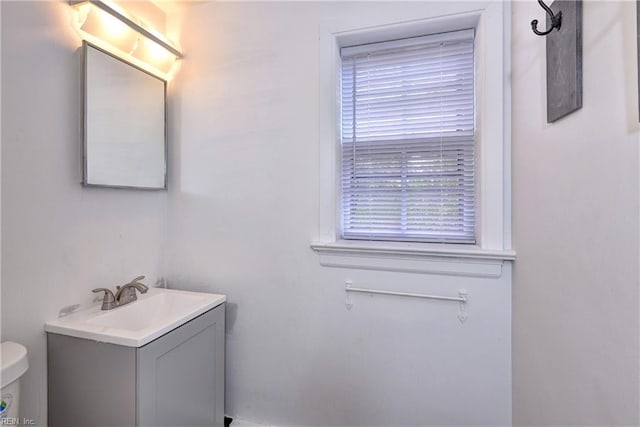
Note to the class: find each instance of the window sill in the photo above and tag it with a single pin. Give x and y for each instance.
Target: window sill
(456, 260)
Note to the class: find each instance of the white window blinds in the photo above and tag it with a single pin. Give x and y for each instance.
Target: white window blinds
(408, 139)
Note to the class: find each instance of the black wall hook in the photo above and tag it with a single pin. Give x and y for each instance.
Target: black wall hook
(556, 20)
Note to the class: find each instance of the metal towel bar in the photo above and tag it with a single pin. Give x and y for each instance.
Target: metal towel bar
(461, 298)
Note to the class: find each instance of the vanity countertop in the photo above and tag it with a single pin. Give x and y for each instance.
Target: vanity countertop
(140, 322)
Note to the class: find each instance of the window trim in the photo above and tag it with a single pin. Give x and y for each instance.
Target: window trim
(491, 21)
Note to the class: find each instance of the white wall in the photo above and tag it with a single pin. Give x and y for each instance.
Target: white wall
(245, 132)
(243, 211)
(575, 200)
(59, 240)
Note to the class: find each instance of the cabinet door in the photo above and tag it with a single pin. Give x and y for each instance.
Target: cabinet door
(181, 375)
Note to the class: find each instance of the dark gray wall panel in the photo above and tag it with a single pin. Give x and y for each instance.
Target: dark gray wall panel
(564, 61)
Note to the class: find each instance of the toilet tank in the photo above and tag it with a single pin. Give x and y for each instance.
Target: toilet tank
(13, 364)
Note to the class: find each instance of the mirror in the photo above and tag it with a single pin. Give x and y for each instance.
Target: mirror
(124, 123)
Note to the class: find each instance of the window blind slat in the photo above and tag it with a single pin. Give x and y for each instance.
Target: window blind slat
(408, 140)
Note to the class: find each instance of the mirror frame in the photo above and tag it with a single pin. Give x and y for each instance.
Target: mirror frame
(85, 46)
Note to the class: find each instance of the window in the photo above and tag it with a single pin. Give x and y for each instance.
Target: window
(408, 139)
(405, 189)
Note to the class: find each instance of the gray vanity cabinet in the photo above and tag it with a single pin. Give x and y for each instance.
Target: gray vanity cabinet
(181, 375)
(175, 380)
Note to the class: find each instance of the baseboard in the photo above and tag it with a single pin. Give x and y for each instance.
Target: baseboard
(238, 422)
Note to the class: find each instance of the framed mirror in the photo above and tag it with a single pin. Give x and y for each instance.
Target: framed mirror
(124, 123)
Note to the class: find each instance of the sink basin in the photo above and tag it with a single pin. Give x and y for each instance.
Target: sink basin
(140, 322)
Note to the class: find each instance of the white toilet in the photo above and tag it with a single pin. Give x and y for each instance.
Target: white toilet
(13, 364)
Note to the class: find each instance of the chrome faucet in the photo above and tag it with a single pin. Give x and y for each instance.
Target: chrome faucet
(124, 294)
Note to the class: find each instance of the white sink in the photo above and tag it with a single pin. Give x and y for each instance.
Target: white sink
(140, 322)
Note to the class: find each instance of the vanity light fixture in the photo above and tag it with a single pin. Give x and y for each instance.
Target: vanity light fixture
(110, 27)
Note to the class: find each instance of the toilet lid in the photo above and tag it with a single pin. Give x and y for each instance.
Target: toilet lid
(13, 362)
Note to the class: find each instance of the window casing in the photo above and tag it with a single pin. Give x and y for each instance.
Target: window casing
(408, 136)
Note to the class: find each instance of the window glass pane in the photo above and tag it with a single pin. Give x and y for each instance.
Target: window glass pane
(407, 133)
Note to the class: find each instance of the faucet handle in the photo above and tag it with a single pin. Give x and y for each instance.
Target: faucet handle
(138, 285)
(109, 300)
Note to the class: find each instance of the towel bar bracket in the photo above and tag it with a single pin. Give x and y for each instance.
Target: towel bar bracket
(462, 312)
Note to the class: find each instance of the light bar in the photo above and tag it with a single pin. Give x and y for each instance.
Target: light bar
(107, 25)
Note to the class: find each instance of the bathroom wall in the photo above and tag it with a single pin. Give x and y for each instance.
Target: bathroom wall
(575, 217)
(244, 206)
(244, 210)
(59, 240)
